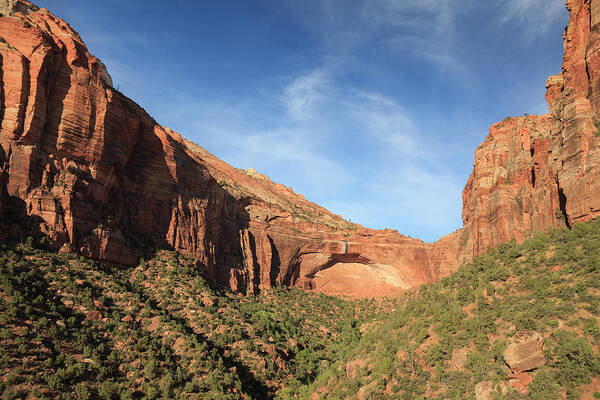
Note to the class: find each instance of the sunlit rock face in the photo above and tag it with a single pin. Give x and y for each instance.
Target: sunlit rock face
(87, 166)
(537, 172)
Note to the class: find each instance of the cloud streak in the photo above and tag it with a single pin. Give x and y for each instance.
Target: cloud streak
(358, 152)
(372, 120)
(535, 17)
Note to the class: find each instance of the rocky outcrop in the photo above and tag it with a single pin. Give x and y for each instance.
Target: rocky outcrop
(10, 7)
(459, 358)
(86, 166)
(514, 189)
(524, 353)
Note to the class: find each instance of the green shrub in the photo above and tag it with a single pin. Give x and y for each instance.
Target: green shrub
(543, 386)
(574, 358)
(82, 392)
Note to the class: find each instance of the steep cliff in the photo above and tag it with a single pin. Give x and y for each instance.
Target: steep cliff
(86, 166)
(537, 172)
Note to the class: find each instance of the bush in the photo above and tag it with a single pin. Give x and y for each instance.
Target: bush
(82, 392)
(543, 387)
(574, 358)
(109, 390)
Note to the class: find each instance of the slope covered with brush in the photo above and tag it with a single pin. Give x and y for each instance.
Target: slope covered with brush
(464, 335)
(69, 326)
(72, 326)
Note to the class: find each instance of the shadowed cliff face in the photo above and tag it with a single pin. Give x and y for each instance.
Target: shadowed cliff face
(87, 166)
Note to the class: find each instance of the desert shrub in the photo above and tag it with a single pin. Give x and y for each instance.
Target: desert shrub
(543, 386)
(574, 358)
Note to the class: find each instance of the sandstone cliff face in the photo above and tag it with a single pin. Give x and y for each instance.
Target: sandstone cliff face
(85, 165)
(537, 172)
(513, 190)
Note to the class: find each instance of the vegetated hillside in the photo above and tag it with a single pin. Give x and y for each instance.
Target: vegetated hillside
(71, 328)
(445, 339)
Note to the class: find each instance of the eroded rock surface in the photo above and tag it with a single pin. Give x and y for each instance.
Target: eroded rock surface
(88, 167)
(488, 390)
(524, 353)
(85, 165)
(537, 172)
(459, 358)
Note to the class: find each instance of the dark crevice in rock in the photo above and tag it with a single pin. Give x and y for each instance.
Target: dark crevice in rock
(254, 284)
(562, 203)
(293, 273)
(2, 99)
(533, 176)
(275, 263)
(25, 87)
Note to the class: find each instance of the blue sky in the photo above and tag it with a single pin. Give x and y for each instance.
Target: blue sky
(370, 108)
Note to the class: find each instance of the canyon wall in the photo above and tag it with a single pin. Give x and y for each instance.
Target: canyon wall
(87, 167)
(537, 172)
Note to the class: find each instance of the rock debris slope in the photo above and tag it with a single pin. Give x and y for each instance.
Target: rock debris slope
(88, 167)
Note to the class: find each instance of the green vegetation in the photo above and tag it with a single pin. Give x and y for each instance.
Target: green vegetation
(72, 328)
(75, 329)
(550, 284)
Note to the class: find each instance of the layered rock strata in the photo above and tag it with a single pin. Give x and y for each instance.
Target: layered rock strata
(537, 172)
(86, 166)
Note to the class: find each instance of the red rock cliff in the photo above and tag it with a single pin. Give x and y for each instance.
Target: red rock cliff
(85, 165)
(537, 172)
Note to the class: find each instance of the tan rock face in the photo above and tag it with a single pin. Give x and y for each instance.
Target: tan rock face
(513, 190)
(524, 353)
(10, 7)
(488, 390)
(353, 367)
(459, 358)
(85, 165)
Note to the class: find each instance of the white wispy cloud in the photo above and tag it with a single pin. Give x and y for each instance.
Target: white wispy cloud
(382, 119)
(425, 13)
(535, 17)
(358, 152)
(425, 29)
(304, 95)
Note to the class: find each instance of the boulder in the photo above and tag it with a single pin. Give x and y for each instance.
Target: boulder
(367, 392)
(486, 390)
(524, 353)
(353, 367)
(459, 358)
